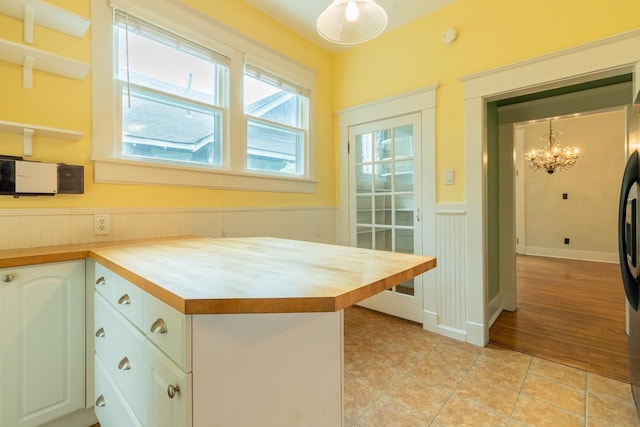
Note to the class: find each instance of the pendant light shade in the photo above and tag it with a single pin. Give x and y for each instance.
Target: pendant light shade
(351, 21)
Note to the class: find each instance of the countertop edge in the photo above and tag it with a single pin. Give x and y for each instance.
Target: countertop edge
(42, 255)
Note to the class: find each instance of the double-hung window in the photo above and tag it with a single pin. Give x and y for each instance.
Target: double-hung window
(277, 114)
(173, 95)
(180, 99)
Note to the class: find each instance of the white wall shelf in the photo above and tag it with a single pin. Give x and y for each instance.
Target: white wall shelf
(40, 13)
(31, 58)
(28, 131)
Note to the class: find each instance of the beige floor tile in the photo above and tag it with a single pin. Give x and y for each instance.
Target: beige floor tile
(387, 412)
(609, 389)
(375, 374)
(436, 369)
(462, 412)
(398, 356)
(534, 412)
(504, 376)
(424, 397)
(553, 393)
(419, 340)
(502, 356)
(358, 398)
(558, 373)
(616, 413)
(481, 390)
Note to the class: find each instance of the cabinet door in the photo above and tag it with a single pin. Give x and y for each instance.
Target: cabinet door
(42, 358)
(168, 392)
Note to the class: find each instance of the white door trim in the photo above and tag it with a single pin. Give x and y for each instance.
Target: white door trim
(603, 58)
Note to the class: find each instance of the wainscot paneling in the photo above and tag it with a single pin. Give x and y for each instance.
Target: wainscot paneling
(450, 317)
(23, 228)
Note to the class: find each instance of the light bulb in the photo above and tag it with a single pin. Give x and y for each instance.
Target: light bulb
(352, 11)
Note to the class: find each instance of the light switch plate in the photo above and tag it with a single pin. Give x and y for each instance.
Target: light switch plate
(448, 177)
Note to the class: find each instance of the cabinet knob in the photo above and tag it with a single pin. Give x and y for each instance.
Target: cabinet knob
(100, 401)
(124, 300)
(101, 281)
(124, 364)
(100, 333)
(159, 327)
(172, 390)
(8, 278)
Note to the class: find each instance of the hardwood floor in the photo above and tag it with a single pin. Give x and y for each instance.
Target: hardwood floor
(571, 312)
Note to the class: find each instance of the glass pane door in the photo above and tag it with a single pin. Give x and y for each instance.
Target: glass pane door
(384, 194)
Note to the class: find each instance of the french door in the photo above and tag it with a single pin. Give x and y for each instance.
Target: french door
(385, 202)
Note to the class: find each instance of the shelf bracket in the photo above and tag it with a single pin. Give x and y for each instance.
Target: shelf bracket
(27, 71)
(27, 141)
(29, 19)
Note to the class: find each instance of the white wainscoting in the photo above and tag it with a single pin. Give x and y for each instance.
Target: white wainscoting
(24, 228)
(449, 319)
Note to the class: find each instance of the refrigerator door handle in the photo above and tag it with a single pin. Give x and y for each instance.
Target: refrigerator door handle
(630, 282)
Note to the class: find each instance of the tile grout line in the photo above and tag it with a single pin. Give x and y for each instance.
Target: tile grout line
(515, 404)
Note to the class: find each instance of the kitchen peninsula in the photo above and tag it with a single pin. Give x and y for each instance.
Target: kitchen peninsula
(234, 331)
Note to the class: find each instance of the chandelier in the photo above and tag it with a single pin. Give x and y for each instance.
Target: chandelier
(552, 158)
(351, 21)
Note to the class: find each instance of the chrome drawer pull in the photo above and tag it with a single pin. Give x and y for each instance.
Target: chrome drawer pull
(100, 401)
(100, 333)
(124, 364)
(101, 281)
(124, 300)
(8, 278)
(159, 327)
(172, 390)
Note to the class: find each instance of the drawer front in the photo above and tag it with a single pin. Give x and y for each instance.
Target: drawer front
(104, 281)
(110, 406)
(120, 346)
(128, 299)
(169, 329)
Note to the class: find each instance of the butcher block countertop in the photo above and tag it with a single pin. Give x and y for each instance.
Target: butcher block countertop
(197, 275)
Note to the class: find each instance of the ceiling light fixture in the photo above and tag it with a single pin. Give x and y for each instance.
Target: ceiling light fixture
(351, 21)
(552, 158)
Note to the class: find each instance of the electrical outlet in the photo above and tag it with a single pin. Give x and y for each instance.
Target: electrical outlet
(101, 225)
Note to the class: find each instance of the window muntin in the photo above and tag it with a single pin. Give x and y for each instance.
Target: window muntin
(277, 115)
(174, 96)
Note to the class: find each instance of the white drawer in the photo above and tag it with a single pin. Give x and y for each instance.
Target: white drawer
(110, 406)
(128, 299)
(120, 346)
(104, 281)
(169, 329)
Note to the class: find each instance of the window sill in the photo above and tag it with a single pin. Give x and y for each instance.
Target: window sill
(108, 170)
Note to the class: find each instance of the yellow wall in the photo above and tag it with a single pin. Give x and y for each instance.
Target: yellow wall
(491, 33)
(65, 103)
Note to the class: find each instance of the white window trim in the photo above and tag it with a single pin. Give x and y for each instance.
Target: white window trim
(175, 16)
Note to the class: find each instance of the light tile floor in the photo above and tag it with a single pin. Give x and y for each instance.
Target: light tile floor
(397, 374)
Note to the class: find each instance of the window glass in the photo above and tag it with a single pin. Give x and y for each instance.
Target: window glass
(173, 95)
(277, 123)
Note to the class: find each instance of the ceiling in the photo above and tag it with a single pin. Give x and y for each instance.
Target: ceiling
(300, 15)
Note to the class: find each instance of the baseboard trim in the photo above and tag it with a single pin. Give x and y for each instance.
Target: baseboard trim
(476, 334)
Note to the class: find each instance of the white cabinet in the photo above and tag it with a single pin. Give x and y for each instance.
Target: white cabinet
(141, 357)
(212, 370)
(169, 391)
(42, 344)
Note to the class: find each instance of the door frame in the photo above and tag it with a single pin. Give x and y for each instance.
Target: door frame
(421, 101)
(600, 59)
